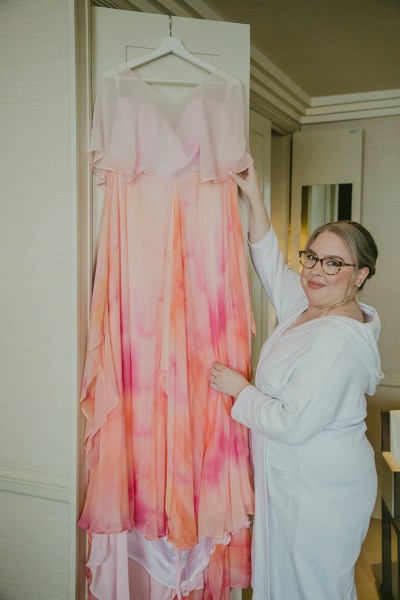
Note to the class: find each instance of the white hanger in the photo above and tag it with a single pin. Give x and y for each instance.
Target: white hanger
(171, 45)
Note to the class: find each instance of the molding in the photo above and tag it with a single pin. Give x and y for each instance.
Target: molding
(390, 380)
(357, 98)
(198, 7)
(178, 8)
(280, 121)
(353, 106)
(274, 95)
(38, 484)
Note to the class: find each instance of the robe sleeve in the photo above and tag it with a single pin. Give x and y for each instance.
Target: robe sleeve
(328, 373)
(279, 281)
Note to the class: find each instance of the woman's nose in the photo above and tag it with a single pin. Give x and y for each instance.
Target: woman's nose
(317, 268)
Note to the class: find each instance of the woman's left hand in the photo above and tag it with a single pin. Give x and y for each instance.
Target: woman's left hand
(226, 380)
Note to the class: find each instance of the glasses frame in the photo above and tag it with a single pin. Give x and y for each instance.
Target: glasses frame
(342, 264)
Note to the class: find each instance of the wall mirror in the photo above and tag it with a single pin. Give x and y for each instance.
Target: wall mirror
(326, 182)
(323, 203)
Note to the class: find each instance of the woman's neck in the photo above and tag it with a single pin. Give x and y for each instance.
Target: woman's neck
(350, 309)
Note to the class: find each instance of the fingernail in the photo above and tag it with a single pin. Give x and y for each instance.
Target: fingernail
(229, 172)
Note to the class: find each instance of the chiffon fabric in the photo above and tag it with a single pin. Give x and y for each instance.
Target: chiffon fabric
(169, 477)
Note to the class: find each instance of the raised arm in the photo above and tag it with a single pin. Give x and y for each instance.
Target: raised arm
(259, 223)
(281, 284)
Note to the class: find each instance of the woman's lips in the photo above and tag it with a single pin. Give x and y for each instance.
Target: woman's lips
(314, 285)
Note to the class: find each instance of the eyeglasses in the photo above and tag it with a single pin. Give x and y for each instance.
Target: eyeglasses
(330, 265)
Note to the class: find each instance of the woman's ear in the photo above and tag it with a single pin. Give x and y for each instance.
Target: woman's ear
(361, 276)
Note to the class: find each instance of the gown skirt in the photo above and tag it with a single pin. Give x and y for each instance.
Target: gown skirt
(171, 296)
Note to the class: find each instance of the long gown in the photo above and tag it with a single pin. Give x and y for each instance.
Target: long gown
(169, 476)
(314, 469)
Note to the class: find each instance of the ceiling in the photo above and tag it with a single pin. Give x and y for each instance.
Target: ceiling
(327, 47)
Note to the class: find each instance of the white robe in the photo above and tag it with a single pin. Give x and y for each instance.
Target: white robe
(315, 477)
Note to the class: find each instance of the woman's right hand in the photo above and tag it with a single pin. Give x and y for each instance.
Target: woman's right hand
(249, 184)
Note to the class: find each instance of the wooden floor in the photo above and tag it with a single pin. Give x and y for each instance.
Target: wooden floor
(368, 568)
(369, 565)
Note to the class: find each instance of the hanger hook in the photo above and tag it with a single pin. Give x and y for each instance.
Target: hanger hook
(170, 25)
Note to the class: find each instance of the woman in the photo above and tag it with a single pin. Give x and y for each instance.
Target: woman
(315, 477)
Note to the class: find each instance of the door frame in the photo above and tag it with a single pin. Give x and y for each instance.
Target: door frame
(81, 270)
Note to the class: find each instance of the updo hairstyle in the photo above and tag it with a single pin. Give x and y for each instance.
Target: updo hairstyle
(359, 240)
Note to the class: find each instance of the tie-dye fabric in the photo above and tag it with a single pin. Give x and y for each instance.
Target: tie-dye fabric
(171, 296)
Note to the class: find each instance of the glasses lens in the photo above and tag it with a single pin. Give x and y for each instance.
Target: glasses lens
(307, 259)
(331, 266)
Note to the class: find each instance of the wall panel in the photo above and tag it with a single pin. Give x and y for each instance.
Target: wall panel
(35, 304)
(34, 561)
(35, 233)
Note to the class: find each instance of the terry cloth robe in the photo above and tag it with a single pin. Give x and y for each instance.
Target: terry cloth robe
(315, 477)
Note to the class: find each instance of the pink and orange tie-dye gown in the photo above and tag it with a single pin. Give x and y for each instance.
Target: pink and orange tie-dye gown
(164, 459)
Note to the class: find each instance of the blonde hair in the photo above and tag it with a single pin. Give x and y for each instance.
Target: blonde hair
(359, 241)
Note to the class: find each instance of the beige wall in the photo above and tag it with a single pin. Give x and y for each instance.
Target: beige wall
(35, 314)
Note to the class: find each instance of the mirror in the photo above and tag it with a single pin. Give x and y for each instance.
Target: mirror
(323, 203)
(326, 182)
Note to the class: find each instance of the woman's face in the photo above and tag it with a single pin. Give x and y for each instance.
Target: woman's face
(324, 290)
